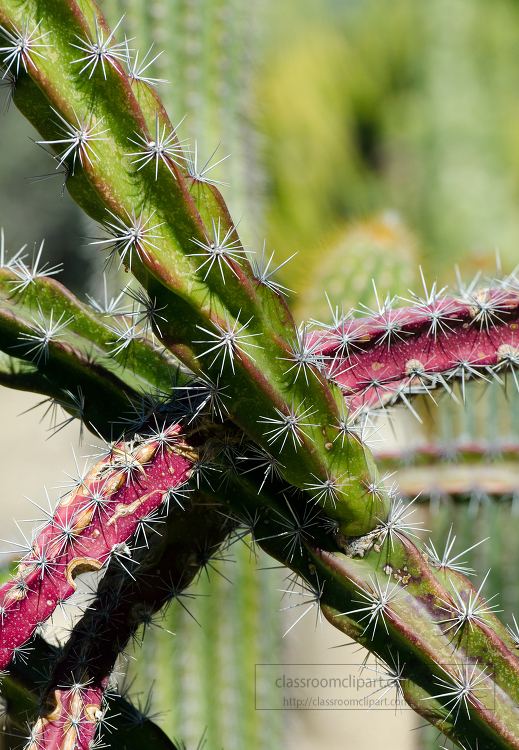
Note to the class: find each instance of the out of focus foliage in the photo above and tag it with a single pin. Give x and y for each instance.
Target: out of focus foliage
(336, 110)
(370, 105)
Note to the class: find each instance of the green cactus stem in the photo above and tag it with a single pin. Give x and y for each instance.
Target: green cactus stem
(219, 317)
(381, 592)
(72, 346)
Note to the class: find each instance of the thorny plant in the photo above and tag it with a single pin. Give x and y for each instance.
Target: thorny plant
(218, 414)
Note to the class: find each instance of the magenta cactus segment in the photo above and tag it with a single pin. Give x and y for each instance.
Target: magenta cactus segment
(74, 721)
(375, 361)
(90, 526)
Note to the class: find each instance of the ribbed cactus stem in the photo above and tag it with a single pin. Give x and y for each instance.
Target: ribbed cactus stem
(90, 527)
(378, 360)
(165, 565)
(20, 693)
(111, 367)
(220, 318)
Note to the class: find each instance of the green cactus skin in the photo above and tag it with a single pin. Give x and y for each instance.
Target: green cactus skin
(193, 303)
(82, 354)
(415, 616)
(25, 376)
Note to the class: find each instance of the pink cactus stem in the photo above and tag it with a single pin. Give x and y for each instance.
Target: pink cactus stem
(377, 360)
(72, 724)
(89, 526)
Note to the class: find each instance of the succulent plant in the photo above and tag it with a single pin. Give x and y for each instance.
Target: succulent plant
(231, 401)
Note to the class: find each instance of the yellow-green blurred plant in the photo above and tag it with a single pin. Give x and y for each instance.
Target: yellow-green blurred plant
(377, 105)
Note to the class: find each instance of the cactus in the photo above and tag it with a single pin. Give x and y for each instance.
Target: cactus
(20, 693)
(204, 676)
(287, 397)
(380, 248)
(90, 527)
(457, 471)
(208, 53)
(379, 359)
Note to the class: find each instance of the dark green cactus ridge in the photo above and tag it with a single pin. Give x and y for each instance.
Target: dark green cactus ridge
(261, 417)
(81, 354)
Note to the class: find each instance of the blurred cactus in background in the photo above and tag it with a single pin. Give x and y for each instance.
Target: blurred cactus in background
(375, 105)
(381, 248)
(205, 676)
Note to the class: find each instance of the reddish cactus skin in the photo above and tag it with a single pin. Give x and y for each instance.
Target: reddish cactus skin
(393, 353)
(72, 724)
(32, 595)
(73, 706)
(130, 728)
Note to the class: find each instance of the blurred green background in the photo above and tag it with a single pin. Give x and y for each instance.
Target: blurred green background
(410, 107)
(370, 137)
(336, 111)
